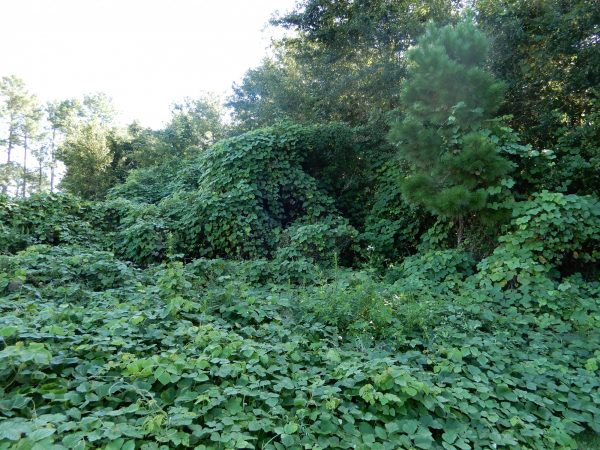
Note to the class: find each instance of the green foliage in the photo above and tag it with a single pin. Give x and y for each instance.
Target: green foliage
(435, 267)
(546, 51)
(98, 158)
(195, 124)
(257, 271)
(274, 353)
(393, 227)
(259, 173)
(141, 234)
(341, 63)
(87, 157)
(361, 307)
(547, 230)
(210, 223)
(321, 241)
(449, 98)
(209, 302)
(96, 155)
(269, 93)
(589, 441)
(154, 183)
(345, 160)
(55, 267)
(47, 219)
(249, 196)
(99, 354)
(20, 114)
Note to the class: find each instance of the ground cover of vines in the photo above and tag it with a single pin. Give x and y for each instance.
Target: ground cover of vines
(430, 283)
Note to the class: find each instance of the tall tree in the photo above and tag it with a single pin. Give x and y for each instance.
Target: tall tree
(84, 139)
(14, 101)
(62, 118)
(30, 128)
(99, 107)
(87, 156)
(276, 90)
(450, 98)
(195, 123)
(343, 62)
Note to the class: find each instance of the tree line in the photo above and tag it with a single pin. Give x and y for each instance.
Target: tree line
(341, 62)
(75, 145)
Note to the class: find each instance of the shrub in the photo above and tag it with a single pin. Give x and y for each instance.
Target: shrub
(547, 230)
(47, 219)
(322, 241)
(393, 227)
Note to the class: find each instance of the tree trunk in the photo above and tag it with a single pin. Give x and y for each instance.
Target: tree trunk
(460, 231)
(8, 151)
(40, 176)
(24, 165)
(52, 160)
(11, 136)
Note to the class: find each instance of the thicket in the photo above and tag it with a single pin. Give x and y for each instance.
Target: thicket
(218, 354)
(292, 287)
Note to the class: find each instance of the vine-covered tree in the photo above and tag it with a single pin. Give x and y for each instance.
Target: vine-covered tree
(87, 156)
(548, 53)
(449, 99)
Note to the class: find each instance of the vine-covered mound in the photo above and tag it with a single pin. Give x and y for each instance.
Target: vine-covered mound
(245, 197)
(266, 193)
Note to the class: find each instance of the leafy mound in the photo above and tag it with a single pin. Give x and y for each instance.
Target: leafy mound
(263, 194)
(245, 197)
(47, 219)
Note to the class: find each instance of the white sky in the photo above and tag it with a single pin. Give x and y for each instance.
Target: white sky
(145, 54)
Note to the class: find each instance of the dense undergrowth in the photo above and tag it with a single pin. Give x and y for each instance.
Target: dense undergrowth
(441, 351)
(121, 326)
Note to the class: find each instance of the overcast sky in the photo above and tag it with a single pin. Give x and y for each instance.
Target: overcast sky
(145, 54)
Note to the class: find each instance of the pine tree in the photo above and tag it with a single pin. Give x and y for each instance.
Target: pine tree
(449, 99)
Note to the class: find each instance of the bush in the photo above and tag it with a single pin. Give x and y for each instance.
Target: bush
(251, 199)
(323, 241)
(435, 267)
(142, 235)
(393, 227)
(56, 267)
(152, 184)
(52, 219)
(547, 230)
